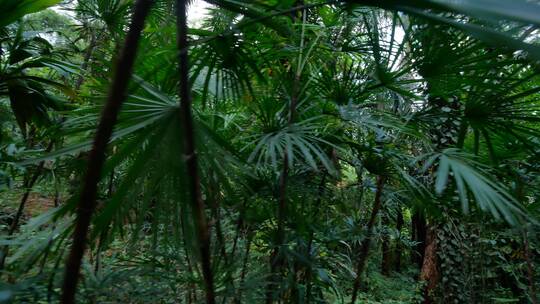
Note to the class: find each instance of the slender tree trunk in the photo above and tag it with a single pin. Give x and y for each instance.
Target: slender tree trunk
(99, 249)
(399, 248)
(419, 236)
(96, 159)
(190, 154)
(86, 60)
(430, 272)
(50, 284)
(309, 271)
(276, 261)
(364, 250)
(530, 269)
(213, 194)
(275, 258)
(301, 272)
(243, 273)
(214, 205)
(192, 292)
(28, 185)
(51, 239)
(386, 262)
(239, 226)
(282, 204)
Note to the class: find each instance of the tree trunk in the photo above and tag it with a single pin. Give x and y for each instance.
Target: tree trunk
(190, 154)
(386, 262)
(28, 185)
(239, 226)
(430, 272)
(243, 273)
(275, 257)
(276, 261)
(530, 269)
(96, 159)
(192, 292)
(50, 242)
(309, 271)
(419, 236)
(216, 214)
(86, 60)
(399, 248)
(364, 250)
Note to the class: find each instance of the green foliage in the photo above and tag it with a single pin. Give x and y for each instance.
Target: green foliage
(15, 9)
(300, 108)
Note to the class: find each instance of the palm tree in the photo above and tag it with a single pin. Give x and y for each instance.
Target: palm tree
(299, 125)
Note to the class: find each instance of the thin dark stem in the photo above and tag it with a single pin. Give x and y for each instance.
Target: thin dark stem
(385, 247)
(399, 248)
(28, 185)
(51, 239)
(192, 293)
(282, 207)
(530, 269)
(276, 261)
(50, 284)
(96, 159)
(364, 250)
(239, 226)
(311, 237)
(244, 267)
(86, 60)
(214, 205)
(197, 203)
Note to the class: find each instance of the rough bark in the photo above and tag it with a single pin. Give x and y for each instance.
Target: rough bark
(96, 159)
(430, 273)
(190, 154)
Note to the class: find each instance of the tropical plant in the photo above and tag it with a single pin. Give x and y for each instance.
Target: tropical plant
(270, 152)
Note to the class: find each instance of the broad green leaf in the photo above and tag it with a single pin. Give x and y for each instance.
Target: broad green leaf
(11, 10)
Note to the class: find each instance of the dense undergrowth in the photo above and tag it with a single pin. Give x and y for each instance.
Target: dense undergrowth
(269, 151)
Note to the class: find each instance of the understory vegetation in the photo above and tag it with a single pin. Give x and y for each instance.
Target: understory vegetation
(269, 151)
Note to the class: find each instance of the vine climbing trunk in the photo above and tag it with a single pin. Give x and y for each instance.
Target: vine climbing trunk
(364, 249)
(190, 154)
(96, 158)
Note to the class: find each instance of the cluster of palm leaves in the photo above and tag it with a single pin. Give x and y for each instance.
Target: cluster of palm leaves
(265, 158)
